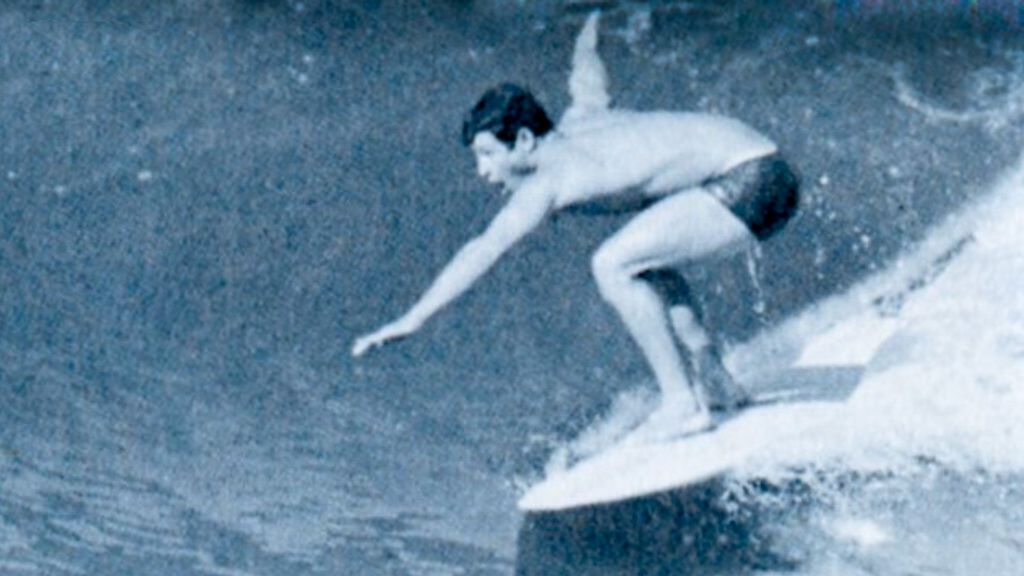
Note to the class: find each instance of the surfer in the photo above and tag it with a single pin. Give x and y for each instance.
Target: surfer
(700, 185)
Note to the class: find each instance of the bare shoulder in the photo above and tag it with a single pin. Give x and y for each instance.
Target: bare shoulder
(529, 204)
(537, 191)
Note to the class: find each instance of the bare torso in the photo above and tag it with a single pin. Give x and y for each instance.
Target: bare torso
(646, 153)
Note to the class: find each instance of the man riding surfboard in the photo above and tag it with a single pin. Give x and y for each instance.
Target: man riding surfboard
(701, 185)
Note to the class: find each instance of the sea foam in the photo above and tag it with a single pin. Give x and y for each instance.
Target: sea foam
(944, 378)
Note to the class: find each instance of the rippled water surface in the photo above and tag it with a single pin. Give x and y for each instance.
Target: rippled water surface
(202, 206)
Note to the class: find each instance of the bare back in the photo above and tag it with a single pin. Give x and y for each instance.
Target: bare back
(656, 153)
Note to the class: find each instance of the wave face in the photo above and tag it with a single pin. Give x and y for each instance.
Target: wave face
(202, 204)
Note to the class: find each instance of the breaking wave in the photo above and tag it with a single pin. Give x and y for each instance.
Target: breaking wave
(944, 332)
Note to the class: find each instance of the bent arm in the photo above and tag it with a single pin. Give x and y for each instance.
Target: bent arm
(588, 80)
(524, 212)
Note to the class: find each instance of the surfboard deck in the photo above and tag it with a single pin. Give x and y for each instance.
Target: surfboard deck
(787, 403)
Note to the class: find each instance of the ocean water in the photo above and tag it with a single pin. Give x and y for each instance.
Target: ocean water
(203, 206)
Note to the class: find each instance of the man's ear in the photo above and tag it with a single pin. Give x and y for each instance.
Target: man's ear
(525, 140)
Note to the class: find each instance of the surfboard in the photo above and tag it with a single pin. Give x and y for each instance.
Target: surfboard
(787, 404)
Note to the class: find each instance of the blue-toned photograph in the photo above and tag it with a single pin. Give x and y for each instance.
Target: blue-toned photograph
(511, 288)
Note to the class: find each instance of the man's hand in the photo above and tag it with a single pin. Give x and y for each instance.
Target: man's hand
(394, 331)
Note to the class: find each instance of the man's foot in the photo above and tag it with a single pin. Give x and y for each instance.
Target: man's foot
(671, 421)
(719, 391)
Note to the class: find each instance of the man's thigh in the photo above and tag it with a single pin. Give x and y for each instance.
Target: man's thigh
(687, 226)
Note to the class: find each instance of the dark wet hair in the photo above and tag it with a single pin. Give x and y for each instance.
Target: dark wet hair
(502, 111)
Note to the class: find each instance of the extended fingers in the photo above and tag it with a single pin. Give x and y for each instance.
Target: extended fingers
(363, 345)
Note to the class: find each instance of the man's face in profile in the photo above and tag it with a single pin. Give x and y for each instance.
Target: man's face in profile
(495, 161)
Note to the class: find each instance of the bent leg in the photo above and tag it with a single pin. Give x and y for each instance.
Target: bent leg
(683, 227)
(675, 293)
(711, 379)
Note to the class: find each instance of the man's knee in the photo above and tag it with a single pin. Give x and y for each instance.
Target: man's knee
(614, 273)
(611, 273)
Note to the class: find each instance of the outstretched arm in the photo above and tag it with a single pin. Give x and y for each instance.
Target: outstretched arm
(524, 212)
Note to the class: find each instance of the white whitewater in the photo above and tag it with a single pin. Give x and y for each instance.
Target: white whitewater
(945, 369)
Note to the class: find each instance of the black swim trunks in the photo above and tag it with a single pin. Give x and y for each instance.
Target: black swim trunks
(763, 193)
